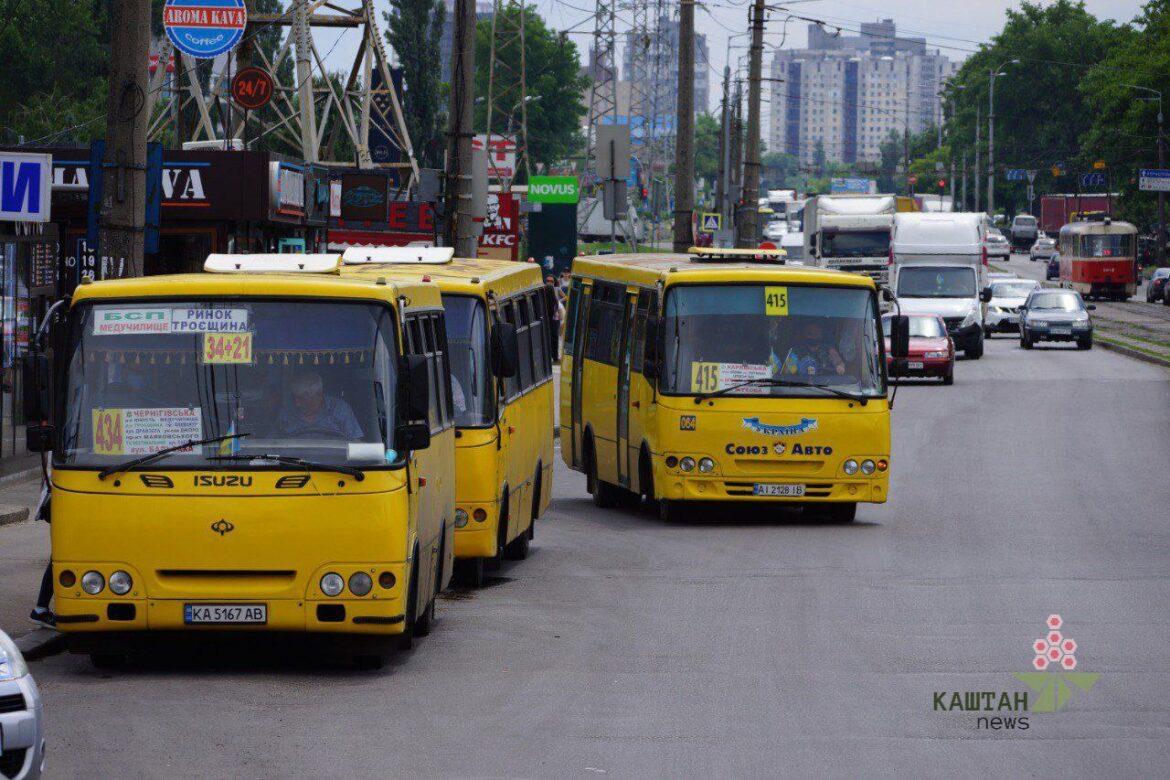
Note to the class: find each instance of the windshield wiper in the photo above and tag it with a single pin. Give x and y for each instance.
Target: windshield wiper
(142, 461)
(307, 465)
(772, 382)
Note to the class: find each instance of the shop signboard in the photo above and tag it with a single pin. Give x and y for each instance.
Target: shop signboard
(25, 187)
(205, 29)
(286, 190)
(501, 228)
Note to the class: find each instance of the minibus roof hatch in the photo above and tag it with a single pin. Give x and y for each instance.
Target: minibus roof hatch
(705, 254)
(272, 263)
(404, 255)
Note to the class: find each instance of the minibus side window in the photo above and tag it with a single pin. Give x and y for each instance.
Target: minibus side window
(571, 315)
(439, 370)
(512, 383)
(645, 305)
(425, 342)
(540, 367)
(524, 337)
(605, 321)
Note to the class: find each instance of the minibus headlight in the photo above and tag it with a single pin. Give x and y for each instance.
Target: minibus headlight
(867, 467)
(850, 467)
(671, 462)
(460, 518)
(121, 583)
(360, 583)
(92, 582)
(687, 463)
(332, 584)
(67, 578)
(706, 465)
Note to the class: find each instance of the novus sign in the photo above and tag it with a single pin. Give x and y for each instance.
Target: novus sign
(25, 187)
(553, 189)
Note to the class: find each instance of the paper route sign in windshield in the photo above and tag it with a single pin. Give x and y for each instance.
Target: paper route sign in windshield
(169, 319)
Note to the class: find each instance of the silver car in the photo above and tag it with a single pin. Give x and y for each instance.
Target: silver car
(1003, 310)
(1043, 248)
(997, 245)
(22, 732)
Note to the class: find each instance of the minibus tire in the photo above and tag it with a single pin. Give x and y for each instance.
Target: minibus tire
(667, 511)
(605, 495)
(406, 638)
(536, 496)
(426, 621)
(517, 549)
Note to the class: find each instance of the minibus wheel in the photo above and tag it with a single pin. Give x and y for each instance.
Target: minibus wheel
(426, 620)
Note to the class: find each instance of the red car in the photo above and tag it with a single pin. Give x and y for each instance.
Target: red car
(932, 353)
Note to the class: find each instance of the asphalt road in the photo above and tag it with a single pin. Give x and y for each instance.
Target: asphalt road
(744, 644)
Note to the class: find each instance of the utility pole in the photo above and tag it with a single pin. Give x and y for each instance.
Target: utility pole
(684, 150)
(724, 189)
(964, 181)
(747, 225)
(458, 224)
(1160, 244)
(123, 207)
(977, 172)
(991, 148)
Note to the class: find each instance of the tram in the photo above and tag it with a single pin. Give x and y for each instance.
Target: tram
(1097, 259)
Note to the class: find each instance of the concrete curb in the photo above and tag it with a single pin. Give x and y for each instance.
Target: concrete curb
(10, 515)
(40, 643)
(1136, 354)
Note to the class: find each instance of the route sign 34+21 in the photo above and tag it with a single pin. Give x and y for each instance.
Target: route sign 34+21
(205, 29)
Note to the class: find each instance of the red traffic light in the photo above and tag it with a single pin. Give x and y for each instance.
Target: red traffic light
(942, 183)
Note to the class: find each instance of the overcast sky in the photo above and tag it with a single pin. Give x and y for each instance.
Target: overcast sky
(953, 26)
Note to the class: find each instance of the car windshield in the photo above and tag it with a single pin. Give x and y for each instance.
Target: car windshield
(1107, 246)
(1013, 289)
(936, 282)
(717, 336)
(864, 243)
(1045, 242)
(921, 327)
(467, 340)
(1055, 301)
(311, 380)
(1026, 221)
(995, 236)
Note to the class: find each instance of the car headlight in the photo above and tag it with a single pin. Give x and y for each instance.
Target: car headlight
(460, 518)
(687, 463)
(360, 583)
(936, 354)
(969, 320)
(1038, 323)
(1083, 320)
(850, 467)
(121, 583)
(93, 582)
(867, 467)
(706, 465)
(332, 584)
(12, 665)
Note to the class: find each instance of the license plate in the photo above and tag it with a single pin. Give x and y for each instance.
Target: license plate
(914, 364)
(1062, 331)
(777, 490)
(225, 614)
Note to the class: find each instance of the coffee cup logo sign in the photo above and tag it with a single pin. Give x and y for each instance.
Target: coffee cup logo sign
(204, 29)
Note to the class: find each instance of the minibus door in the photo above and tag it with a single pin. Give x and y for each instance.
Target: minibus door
(583, 294)
(623, 399)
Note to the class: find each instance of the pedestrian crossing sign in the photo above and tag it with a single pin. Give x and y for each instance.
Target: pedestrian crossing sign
(709, 222)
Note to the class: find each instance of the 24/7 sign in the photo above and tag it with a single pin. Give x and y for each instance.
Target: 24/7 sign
(205, 28)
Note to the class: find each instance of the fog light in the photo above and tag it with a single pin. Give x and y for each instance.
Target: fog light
(687, 463)
(706, 465)
(671, 462)
(67, 578)
(121, 583)
(867, 467)
(360, 583)
(92, 582)
(850, 467)
(479, 515)
(387, 579)
(332, 584)
(460, 518)
(882, 465)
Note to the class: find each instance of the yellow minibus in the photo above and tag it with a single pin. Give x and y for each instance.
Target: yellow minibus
(264, 447)
(503, 340)
(725, 376)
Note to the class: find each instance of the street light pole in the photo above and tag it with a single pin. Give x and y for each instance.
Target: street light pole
(994, 74)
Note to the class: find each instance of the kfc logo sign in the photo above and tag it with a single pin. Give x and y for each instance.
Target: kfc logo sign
(501, 154)
(501, 227)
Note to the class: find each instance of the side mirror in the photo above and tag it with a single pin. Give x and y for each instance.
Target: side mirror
(505, 350)
(651, 349)
(412, 436)
(985, 294)
(899, 336)
(1091, 307)
(418, 388)
(36, 378)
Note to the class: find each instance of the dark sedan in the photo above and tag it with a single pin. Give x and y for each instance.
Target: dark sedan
(1053, 269)
(1157, 285)
(1056, 315)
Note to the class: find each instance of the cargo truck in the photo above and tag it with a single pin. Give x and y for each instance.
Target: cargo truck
(850, 233)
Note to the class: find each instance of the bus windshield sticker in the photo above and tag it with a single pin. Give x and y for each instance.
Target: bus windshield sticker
(709, 377)
(776, 301)
(180, 319)
(227, 348)
(143, 431)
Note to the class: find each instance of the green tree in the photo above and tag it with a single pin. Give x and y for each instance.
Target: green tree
(707, 147)
(1041, 113)
(555, 88)
(414, 30)
(1124, 120)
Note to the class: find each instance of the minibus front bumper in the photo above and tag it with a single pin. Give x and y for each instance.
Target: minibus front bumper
(772, 488)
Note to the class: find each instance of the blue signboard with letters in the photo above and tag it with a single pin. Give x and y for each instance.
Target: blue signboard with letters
(1092, 180)
(26, 182)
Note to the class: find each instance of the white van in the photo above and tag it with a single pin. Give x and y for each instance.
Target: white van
(940, 267)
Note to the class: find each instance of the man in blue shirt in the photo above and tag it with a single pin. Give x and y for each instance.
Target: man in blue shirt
(313, 414)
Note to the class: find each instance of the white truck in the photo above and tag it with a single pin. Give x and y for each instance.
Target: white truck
(850, 233)
(593, 226)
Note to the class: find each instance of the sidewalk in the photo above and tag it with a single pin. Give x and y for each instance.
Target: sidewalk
(24, 550)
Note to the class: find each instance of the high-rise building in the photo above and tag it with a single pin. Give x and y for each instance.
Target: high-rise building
(639, 71)
(841, 97)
